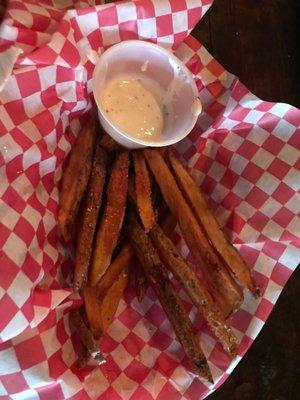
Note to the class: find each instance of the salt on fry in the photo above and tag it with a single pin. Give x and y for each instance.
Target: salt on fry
(75, 179)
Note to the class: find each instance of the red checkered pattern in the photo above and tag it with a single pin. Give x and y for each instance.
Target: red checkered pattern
(244, 153)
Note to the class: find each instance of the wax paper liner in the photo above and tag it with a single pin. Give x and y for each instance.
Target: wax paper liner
(244, 153)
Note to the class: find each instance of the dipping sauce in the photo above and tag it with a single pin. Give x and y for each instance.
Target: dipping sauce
(134, 103)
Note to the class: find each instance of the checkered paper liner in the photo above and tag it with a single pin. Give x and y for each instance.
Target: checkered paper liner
(244, 153)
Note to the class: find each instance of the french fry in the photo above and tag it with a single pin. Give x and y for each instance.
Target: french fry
(141, 284)
(112, 220)
(110, 302)
(194, 288)
(221, 284)
(89, 218)
(85, 335)
(100, 312)
(75, 179)
(109, 144)
(198, 203)
(114, 270)
(92, 309)
(168, 297)
(143, 191)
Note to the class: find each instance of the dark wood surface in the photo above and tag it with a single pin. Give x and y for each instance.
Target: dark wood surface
(258, 40)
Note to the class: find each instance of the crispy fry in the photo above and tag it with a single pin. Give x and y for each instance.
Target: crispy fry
(112, 221)
(141, 284)
(75, 179)
(89, 218)
(109, 144)
(114, 270)
(131, 191)
(198, 203)
(92, 309)
(143, 191)
(223, 287)
(194, 288)
(112, 299)
(85, 335)
(100, 312)
(83, 358)
(169, 299)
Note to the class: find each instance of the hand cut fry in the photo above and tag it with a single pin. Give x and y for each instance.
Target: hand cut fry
(141, 284)
(75, 179)
(89, 218)
(109, 144)
(198, 203)
(92, 309)
(100, 312)
(114, 270)
(169, 299)
(112, 221)
(112, 299)
(194, 288)
(143, 191)
(85, 335)
(222, 286)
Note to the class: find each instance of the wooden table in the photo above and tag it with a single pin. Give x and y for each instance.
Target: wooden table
(258, 41)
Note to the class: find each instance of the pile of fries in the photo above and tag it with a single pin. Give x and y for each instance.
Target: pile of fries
(112, 203)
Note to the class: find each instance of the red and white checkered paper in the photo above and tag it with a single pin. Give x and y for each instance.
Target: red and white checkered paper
(244, 153)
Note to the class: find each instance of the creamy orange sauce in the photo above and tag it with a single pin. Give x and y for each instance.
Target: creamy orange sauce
(133, 107)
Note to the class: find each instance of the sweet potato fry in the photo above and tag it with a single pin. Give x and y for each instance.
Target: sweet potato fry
(75, 179)
(109, 144)
(143, 191)
(112, 220)
(110, 302)
(89, 218)
(100, 312)
(221, 243)
(114, 270)
(85, 335)
(222, 286)
(141, 284)
(92, 309)
(169, 299)
(194, 288)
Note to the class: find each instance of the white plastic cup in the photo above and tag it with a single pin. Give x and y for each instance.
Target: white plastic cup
(163, 67)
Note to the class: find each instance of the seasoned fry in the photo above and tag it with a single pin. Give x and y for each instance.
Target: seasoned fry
(131, 191)
(112, 221)
(112, 299)
(109, 144)
(223, 287)
(75, 179)
(114, 270)
(92, 309)
(194, 288)
(143, 191)
(83, 358)
(100, 312)
(141, 284)
(169, 299)
(89, 218)
(198, 203)
(85, 335)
